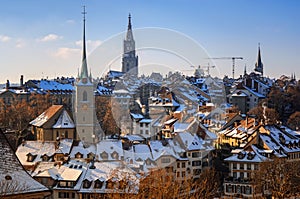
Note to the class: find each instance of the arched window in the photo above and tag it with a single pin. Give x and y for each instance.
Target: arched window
(84, 96)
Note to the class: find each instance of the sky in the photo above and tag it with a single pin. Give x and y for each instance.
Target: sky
(43, 39)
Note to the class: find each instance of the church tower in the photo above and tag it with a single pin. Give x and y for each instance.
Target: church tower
(84, 99)
(129, 60)
(259, 65)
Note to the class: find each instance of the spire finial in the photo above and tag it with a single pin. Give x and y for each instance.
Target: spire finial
(129, 21)
(84, 70)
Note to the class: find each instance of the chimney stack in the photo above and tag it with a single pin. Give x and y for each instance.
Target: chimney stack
(7, 85)
(22, 81)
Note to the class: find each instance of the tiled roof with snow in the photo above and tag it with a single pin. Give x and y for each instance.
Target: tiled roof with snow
(46, 115)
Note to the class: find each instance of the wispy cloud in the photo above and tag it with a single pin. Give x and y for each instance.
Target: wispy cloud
(91, 45)
(66, 53)
(20, 43)
(4, 38)
(70, 21)
(50, 37)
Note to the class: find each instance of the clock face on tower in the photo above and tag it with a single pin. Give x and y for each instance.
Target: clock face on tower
(84, 107)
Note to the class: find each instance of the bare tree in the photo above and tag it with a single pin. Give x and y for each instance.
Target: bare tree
(278, 178)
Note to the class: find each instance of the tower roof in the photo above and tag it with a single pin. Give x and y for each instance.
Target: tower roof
(129, 35)
(84, 70)
(259, 64)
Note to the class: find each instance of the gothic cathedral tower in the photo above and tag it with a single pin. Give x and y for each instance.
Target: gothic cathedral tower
(129, 60)
(259, 67)
(84, 99)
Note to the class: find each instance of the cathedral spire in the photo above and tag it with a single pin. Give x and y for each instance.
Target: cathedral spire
(129, 35)
(259, 64)
(84, 70)
(129, 21)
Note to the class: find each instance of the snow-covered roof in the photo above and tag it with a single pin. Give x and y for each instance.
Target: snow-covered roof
(64, 121)
(253, 155)
(13, 174)
(54, 85)
(137, 116)
(46, 115)
(191, 142)
(110, 147)
(146, 121)
(142, 152)
(181, 127)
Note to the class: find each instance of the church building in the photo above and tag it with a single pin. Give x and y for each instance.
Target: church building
(84, 100)
(129, 59)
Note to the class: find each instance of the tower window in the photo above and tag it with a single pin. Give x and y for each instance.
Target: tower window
(84, 96)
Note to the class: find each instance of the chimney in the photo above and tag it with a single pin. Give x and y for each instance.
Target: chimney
(7, 85)
(144, 112)
(22, 80)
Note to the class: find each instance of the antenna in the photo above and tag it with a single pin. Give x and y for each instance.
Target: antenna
(84, 12)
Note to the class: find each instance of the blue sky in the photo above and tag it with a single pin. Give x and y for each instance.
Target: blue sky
(42, 38)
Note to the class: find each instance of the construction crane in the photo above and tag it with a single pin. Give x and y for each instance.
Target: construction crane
(204, 68)
(233, 62)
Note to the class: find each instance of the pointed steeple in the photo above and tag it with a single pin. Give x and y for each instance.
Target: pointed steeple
(84, 70)
(129, 36)
(129, 21)
(259, 64)
(245, 70)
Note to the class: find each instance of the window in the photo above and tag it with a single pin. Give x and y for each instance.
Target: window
(98, 184)
(86, 184)
(141, 124)
(63, 184)
(234, 175)
(183, 165)
(183, 174)
(196, 154)
(84, 96)
(63, 195)
(147, 132)
(165, 160)
(196, 163)
(234, 165)
(241, 166)
(242, 175)
(248, 166)
(146, 125)
(78, 155)
(178, 164)
(66, 134)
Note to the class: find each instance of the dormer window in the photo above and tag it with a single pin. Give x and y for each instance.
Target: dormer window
(241, 155)
(104, 155)
(91, 155)
(115, 155)
(45, 158)
(86, 184)
(78, 155)
(98, 184)
(30, 157)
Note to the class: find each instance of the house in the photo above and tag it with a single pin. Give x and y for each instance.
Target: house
(242, 166)
(15, 182)
(53, 123)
